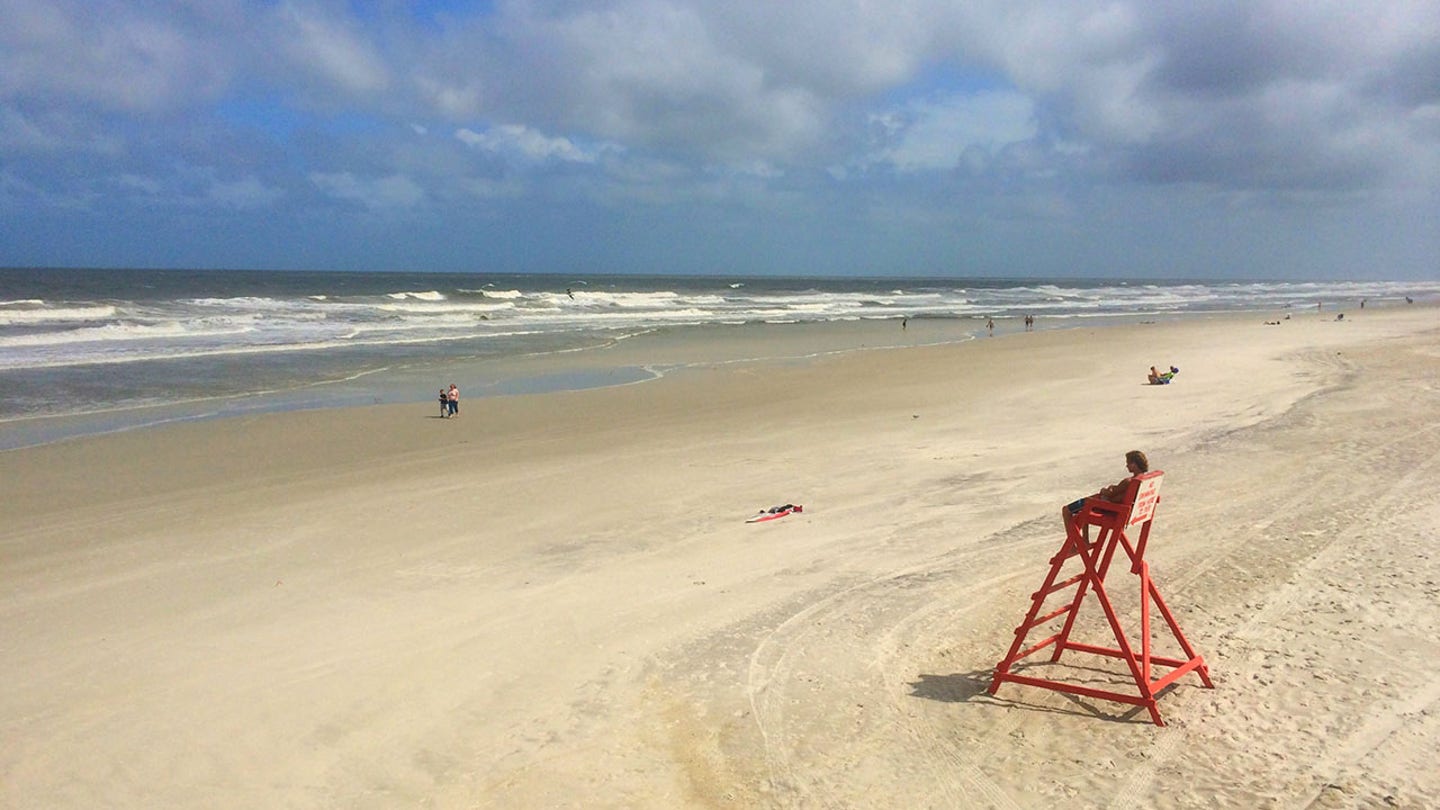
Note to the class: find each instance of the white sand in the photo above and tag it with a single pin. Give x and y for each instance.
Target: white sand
(554, 601)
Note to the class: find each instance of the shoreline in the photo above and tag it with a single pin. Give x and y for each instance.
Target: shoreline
(554, 599)
(627, 360)
(608, 363)
(809, 352)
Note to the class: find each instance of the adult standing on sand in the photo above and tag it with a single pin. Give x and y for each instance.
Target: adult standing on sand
(453, 397)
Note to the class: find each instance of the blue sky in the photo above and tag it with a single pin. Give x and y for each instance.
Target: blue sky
(913, 137)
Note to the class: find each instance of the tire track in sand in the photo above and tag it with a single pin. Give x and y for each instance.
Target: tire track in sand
(776, 677)
(1284, 599)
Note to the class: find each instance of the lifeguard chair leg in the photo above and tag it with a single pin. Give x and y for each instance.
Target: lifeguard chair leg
(1079, 536)
(1192, 659)
(1073, 545)
(1127, 654)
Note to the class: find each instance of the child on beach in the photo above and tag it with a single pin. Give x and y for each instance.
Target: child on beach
(444, 404)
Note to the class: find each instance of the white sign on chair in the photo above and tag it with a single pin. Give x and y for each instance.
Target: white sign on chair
(1146, 496)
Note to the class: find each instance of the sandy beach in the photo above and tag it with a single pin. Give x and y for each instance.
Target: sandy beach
(555, 601)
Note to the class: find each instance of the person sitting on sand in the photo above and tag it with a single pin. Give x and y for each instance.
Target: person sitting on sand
(1162, 378)
(1135, 462)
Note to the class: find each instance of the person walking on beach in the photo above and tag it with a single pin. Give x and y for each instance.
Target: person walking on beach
(444, 403)
(1135, 462)
(990, 325)
(452, 398)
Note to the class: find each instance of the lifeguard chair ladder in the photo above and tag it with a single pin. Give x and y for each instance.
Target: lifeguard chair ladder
(1113, 520)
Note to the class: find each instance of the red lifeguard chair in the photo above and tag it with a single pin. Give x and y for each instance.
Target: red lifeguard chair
(1113, 521)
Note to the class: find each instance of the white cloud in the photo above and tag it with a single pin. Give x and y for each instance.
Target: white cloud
(661, 75)
(244, 194)
(333, 49)
(453, 96)
(935, 134)
(723, 104)
(145, 185)
(376, 194)
(107, 54)
(522, 141)
(20, 134)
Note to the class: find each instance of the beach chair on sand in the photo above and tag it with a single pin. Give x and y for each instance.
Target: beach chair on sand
(1113, 525)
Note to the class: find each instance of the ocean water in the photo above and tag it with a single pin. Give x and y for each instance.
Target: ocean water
(106, 343)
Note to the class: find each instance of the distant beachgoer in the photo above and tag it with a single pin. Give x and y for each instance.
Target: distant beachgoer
(1135, 462)
(567, 292)
(990, 325)
(904, 324)
(444, 403)
(452, 398)
(1362, 303)
(1409, 300)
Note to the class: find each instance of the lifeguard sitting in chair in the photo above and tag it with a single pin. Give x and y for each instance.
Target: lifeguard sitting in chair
(1115, 511)
(1135, 462)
